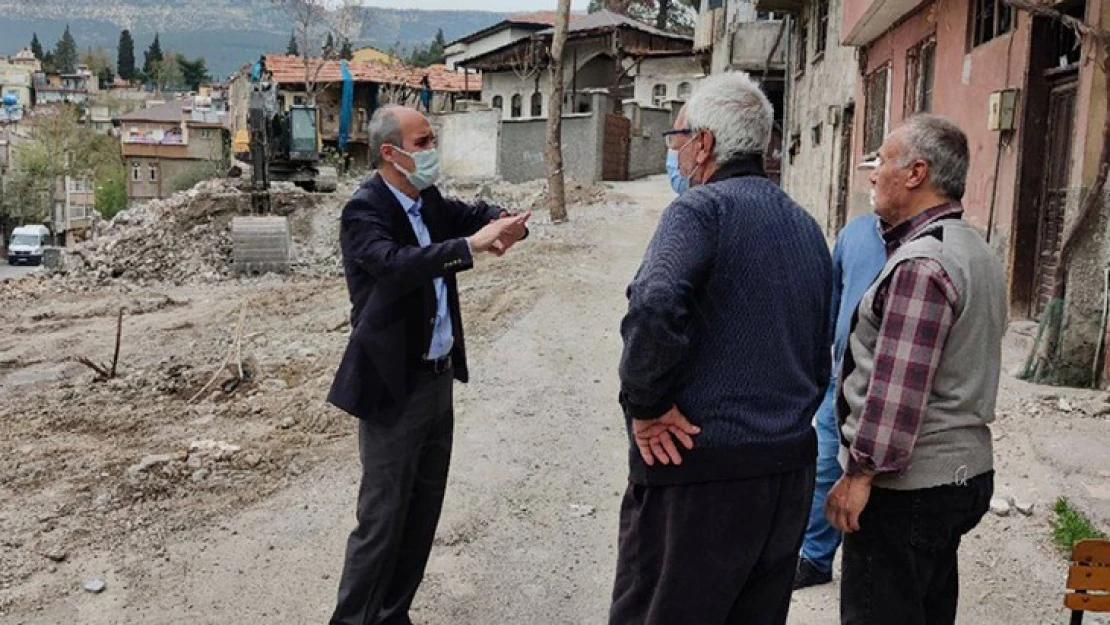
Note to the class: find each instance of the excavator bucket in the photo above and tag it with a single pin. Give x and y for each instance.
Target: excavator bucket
(261, 245)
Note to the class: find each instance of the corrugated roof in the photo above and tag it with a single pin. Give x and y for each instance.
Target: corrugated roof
(291, 70)
(168, 112)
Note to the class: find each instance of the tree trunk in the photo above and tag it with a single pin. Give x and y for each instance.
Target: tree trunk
(664, 18)
(556, 193)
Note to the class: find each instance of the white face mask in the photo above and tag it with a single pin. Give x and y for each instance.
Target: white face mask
(427, 167)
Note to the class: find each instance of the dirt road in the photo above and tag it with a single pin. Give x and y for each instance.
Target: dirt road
(529, 527)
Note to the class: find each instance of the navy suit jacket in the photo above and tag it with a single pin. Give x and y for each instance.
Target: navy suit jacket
(393, 301)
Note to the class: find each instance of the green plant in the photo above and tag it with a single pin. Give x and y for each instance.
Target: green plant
(1070, 526)
(194, 175)
(111, 192)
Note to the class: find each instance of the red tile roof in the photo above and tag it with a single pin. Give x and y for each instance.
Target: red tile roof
(291, 70)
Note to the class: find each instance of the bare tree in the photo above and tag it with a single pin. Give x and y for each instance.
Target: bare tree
(1044, 357)
(556, 192)
(313, 22)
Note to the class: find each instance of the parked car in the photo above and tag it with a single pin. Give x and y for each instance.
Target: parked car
(27, 244)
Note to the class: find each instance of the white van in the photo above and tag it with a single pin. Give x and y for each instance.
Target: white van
(27, 244)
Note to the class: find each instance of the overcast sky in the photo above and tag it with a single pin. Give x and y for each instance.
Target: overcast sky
(501, 6)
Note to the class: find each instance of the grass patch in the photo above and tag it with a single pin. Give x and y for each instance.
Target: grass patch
(1070, 526)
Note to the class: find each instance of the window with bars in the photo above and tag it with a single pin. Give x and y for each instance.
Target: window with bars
(498, 103)
(822, 29)
(517, 106)
(876, 114)
(990, 19)
(920, 69)
(803, 43)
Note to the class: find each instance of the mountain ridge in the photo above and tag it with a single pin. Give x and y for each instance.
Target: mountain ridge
(227, 33)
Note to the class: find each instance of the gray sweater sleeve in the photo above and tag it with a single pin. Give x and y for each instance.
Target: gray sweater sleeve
(661, 302)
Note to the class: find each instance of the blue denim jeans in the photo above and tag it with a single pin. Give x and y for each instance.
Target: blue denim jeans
(822, 539)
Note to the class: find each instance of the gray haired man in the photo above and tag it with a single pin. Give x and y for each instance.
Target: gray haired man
(726, 358)
(917, 388)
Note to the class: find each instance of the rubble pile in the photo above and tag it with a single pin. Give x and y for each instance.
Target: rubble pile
(186, 239)
(529, 195)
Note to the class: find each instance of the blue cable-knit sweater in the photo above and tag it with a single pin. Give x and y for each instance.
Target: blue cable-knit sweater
(728, 320)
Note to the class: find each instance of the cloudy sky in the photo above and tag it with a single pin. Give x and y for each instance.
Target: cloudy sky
(506, 6)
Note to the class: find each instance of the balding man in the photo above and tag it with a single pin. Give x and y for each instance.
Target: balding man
(917, 388)
(726, 358)
(403, 243)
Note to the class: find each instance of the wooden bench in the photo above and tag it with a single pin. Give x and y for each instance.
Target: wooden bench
(1088, 579)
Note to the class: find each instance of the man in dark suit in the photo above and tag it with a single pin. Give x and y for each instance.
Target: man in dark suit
(403, 243)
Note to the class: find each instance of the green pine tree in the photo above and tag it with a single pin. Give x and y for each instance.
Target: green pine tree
(293, 49)
(65, 53)
(153, 57)
(36, 47)
(345, 51)
(125, 64)
(193, 73)
(329, 47)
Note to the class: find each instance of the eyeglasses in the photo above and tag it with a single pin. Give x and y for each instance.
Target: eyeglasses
(667, 136)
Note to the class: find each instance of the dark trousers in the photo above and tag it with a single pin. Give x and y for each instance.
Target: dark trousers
(901, 567)
(710, 554)
(404, 477)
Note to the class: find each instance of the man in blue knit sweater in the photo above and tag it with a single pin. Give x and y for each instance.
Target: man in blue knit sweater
(726, 359)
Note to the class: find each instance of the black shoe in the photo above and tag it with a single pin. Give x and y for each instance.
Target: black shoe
(808, 575)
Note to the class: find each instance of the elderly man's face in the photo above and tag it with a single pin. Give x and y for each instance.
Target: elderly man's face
(889, 180)
(689, 145)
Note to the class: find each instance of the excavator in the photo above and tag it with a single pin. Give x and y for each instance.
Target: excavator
(284, 145)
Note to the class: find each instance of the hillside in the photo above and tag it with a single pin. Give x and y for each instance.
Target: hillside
(227, 33)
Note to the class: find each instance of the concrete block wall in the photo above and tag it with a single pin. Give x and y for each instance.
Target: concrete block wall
(648, 153)
(469, 144)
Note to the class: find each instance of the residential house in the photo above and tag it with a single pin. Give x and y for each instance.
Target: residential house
(510, 30)
(819, 113)
(74, 209)
(75, 88)
(370, 54)
(16, 79)
(735, 35)
(163, 144)
(603, 51)
(374, 84)
(1032, 100)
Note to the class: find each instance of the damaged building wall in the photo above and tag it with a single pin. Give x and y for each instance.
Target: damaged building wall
(1084, 309)
(817, 154)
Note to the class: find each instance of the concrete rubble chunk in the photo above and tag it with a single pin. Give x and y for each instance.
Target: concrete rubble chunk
(1024, 506)
(1000, 506)
(152, 461)
(95, 586)
(1065, 405)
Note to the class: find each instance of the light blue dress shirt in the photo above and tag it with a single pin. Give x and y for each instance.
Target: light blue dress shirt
(443, 337)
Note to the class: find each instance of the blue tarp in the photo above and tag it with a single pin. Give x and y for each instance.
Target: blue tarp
(345, 106)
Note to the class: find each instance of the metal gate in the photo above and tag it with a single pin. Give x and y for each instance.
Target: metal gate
(616, 148)
(1054, 193)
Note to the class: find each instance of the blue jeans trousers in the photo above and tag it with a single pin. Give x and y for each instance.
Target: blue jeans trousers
(822, 539)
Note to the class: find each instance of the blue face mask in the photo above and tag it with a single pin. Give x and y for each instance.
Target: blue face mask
(680, 183)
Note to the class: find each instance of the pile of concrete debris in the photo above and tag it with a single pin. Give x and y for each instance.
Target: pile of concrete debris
(529, 195)
(185, 239)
